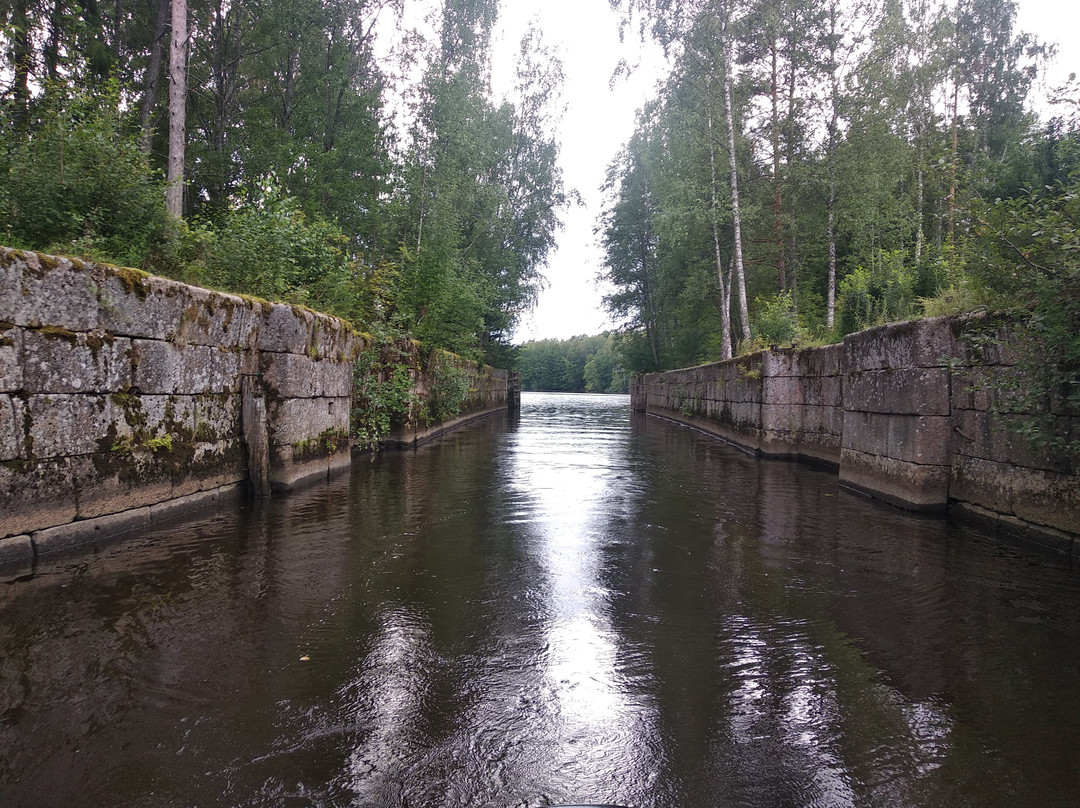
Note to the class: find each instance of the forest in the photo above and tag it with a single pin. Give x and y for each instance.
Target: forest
(807, 169)
(268, 125)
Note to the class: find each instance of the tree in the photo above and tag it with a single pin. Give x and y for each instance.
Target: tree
(174, 193)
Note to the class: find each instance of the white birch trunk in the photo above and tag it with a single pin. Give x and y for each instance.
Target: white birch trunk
(174, 191)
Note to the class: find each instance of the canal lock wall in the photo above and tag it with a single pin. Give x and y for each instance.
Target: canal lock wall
(916, 413)
(128, 400)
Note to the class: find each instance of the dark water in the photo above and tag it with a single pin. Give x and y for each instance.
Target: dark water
(577, 606)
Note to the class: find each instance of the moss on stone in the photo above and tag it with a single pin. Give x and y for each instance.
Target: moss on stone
(327, 442)
(56, 332)
(134, 281)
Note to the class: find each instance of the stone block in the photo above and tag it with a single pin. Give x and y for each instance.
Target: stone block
(220, 463)
(827, 360)
(158, 367)
(300, 420)
(299, 376)
(913, 344)
(35, 494)
(16, 557)
(11, 347)
(164, 513)
(1034, 495)
(12, 438)
(823, 390)
(218, 319)
(287, 474)
(925, 439)
(141, 306)
(64, 538)
(332, 339)
(213, 370)
(999, 437)
(823, 420)
(783, 390)
(866, 433)
(64, 425)
(910, 391)
(217, 417)
(57, 293)
(285, 329)
(782, 362)
(67, 362)
(908, 485)
(781, 417)
(164, 367)
(113, 482)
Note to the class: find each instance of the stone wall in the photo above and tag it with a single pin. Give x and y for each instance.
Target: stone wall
(127, 399)
(488, 390)
(913, 413)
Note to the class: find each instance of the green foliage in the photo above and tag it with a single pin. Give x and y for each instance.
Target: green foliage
(1028, 253)
(576, 365)
(776, 322)
(449, 387)
(884, 293)
(269, 248)
(77, 182)
(383, 399)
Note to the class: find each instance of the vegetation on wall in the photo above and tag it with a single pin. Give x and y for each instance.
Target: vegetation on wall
(398, 385)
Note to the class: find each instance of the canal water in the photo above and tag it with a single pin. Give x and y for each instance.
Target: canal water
(574, 605)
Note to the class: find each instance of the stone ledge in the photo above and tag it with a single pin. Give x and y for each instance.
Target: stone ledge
(1017, 529)
(912, 486)
(63, 538)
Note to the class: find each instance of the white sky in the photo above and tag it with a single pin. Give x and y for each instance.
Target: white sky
(599, 119)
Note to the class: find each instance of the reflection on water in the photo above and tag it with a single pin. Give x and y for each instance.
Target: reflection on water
(577, 605)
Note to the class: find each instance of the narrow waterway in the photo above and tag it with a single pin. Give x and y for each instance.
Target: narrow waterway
(574, 605)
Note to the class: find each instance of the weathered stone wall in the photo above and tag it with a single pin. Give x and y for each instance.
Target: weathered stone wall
(779, 403)
(897, 416)
(122, 398)
(488, 390)
(126, 399)
(912, 413)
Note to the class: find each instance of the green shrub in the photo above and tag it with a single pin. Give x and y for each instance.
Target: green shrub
(77, 181)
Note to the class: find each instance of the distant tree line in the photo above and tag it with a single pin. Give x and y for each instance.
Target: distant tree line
(296, 184)
(576, 365)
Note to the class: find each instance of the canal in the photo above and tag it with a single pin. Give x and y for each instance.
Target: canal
(574, 605)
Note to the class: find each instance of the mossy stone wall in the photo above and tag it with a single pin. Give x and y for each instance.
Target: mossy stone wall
(122, 399)
(911, 413)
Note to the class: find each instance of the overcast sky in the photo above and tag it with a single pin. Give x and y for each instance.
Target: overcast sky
(599, 119)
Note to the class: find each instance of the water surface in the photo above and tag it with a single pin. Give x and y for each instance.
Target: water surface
(579, 604)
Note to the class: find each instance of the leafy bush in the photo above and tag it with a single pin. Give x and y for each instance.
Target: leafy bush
(884, 293)
(1027, 252)
(383, 394)
(776, 322)
(78, 182)
(449, 387)
(268, 247)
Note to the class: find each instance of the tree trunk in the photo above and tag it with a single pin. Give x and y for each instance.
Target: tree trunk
(740, 272)
(725, 292)
(174, 192)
